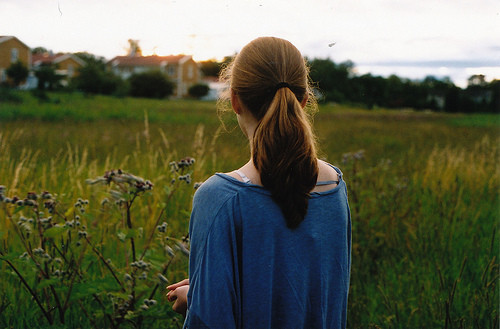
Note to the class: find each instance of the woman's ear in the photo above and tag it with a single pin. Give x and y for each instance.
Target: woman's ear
(235, 102)
(304, 101)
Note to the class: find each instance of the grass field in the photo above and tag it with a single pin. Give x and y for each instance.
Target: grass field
(423, 190)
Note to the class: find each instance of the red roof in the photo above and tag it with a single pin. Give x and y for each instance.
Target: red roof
(46, 58)
(146, 60)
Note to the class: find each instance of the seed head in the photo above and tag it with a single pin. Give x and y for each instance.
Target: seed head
(162, 278)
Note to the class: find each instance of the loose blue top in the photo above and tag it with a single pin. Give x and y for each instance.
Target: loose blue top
(247, 269)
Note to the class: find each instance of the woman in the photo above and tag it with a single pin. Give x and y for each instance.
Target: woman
(271, 241)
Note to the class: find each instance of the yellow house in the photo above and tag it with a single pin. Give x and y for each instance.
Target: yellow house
(181, 69)
(66, 65)
(11, 51)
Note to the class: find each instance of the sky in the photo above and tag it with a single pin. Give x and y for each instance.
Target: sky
(412, 39)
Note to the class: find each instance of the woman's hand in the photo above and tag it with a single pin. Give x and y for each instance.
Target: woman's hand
(178, 294)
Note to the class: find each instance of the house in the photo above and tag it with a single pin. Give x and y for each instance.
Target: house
(215, 88)
(11, 51)
(67, 65)
(181, 69)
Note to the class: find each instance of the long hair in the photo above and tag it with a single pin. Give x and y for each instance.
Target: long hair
(270, 77)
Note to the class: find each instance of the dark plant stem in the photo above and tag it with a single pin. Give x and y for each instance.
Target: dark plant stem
(151, 236)
(165, 268)
(98, 253)
(129, 225)
(33, 294)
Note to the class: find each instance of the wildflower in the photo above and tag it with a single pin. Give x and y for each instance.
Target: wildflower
(182, 248)
(144, 307)
(186, 178)
(38, 251)
(360, 155)
(143, 276)
(169, 251)
(197, 185)
(32, 196)
(162, 228)
(24, 255)
(149, 302)
(141, 265)
(127, 277)
(162, 278)
(82, 234)
(46, 195)
(20, 203)
(346, 157)
(29, 202)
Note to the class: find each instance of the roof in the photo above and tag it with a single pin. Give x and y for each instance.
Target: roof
(4, 38)
(153, 60)
(46, 58)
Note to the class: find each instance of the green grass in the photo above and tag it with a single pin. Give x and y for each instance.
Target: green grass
(424, 197)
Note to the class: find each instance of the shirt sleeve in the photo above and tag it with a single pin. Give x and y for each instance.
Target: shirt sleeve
(213, 297)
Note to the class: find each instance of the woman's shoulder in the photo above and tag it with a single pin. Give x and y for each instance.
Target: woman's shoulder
(215, 189)
(328, 172)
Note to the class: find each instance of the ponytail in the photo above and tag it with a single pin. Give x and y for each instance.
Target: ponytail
(270, 77)
(285, 156)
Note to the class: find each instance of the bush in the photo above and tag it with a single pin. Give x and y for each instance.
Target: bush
(93, 79)
(18, 72)
(48, 78)
(6, 95)
(198, 90)
(151, 84)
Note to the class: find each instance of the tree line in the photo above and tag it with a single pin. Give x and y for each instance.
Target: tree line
(333, 82)
(339, 84)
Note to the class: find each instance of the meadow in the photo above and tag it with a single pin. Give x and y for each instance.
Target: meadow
(423, 191)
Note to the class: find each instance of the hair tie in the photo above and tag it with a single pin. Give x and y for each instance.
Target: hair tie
(281, 85)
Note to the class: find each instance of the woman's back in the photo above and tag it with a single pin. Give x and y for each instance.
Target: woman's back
(249, 270)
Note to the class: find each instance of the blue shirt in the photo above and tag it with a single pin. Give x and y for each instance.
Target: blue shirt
(248, 270)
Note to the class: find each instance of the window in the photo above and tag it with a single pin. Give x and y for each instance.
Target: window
(14, 55)
(71, 70)
(171, 70)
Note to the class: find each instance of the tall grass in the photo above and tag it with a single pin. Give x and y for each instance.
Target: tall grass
(423, 195)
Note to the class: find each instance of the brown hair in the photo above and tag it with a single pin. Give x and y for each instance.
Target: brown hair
(270, 77)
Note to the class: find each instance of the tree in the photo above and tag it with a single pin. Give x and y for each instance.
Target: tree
(134, 50)
(39, 50)
(94, 79)
(152, 84)
(210, 68)
(333, 80)
(91, 59)
(198, 90)
(18, 72)
(47, 77)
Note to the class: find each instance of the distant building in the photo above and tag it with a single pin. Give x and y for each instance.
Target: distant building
(181, 69)
(67, 65)
(215, 88)
(11, 51)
